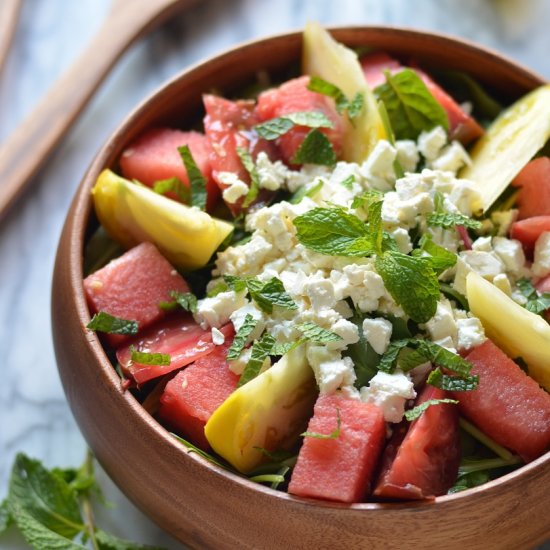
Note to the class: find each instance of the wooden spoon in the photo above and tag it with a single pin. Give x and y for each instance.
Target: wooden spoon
(9, 13)
(35, 138)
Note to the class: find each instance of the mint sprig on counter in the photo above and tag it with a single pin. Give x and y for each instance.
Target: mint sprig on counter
(276, 127)
(197, 182)
(105, 322)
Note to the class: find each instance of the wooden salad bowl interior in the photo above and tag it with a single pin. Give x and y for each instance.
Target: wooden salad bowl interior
(199, 503)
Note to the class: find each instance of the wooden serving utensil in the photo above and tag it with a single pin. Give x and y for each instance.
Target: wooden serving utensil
(9, 12)
(34, 139)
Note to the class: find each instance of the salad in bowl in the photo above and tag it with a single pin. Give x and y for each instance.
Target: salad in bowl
(335, 284)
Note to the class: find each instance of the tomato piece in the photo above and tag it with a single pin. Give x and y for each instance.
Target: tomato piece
(421, 460)
(292, 97)
(178, 336)
(507, 405)
(528, 231)
(534, 194)
(132, 286)
(154, 156)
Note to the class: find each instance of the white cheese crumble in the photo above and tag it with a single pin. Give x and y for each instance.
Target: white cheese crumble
(377, 332)
(235, 187)
(218, 337)
(215, 311)
(470, 333)
(541, 263)
(330, 369)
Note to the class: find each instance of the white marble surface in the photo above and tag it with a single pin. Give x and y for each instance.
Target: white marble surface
(34, 416)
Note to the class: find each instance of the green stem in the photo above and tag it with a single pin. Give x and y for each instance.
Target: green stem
(86, 504)
(488, 464)
(499, 450)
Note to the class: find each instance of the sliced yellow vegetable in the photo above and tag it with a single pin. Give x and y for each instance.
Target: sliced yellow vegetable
(133, 213)
(268, 412)
(333, 62)
(518, 332)
(509, 144)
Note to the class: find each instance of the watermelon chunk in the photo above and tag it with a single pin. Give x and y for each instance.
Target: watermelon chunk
(131, 287)
(462, 126)
(178, 336)
(528, 231)
(339, 469)
(292, 97)
(534, 194)
(507, 405)
(421, 460)
(154, 156)
(191, 397)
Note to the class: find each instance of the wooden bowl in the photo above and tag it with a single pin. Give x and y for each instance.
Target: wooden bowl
(205, 506)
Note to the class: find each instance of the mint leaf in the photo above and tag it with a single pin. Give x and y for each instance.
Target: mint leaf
(260, 350)
(332, 435)
(442, 357)
(536, 303)
(348, 182)
(218, 288)
(248, 163)
(104, 322)
(106, 541)
(235, 283)
(412, 282)
(306, 191)
(249, 324)
(317, 334)
(197, 182)
(283, 348)
(388, 361)
(365, 199)
(146, 358)
(356, 105)
(276, 127)
(5, 517)
(271, 294)
(440, 257)
(173, 185)
(315, 149)
(468, 481)
(417, 411)
(317, 84)
(411, 107)
(186, 300)
(452, 383)
(448, 220)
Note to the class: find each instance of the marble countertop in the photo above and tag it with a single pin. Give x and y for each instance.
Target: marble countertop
(34, 416)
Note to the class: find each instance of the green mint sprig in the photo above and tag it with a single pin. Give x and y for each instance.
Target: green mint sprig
(449, 220)
(249, 324)
(306, 191)
(186, 300)
(353, 106)
(315, 149)
(105, 322)
(261, 349)
(418, 411)
(197, 182)
(536, 303)
(173, 185)
(276, 127)
(250, 167)
(148, 358)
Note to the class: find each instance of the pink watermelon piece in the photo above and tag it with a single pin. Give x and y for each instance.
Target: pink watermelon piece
(528, 231)
(132, 286)
(507, 405)
(178, 336)
(292, 97)
(534, 194)
(422, 458)
(339, 469)
(191, 397)
(154, 156)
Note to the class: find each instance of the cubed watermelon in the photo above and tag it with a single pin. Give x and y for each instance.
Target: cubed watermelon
(422, 458)
(292, 97)
(178, 336)
(507, 405)
(132, 286)
(340, 468)
(195, 393)
(528, 231)
(154, 156)
(534, 194)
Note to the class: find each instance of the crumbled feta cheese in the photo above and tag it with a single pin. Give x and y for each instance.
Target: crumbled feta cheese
(442, 325)
(452, 158)
(236, 188)
(218, 337)
(321, 293)
(407, 154)
(377, 332)
(482, 244)
(470, 333)
(378, 168)
(271, 175)
(390, 392)
(239, 315)
(430, 143)
(511, 253)
(486, 264)
(403, 240)
(238, 365)
(331, 370)
(347, 331)
(215, 311)
(541, 263)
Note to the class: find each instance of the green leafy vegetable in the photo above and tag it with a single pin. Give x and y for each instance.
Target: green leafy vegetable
(440, 257)
(197, 182)
(536, 303)
(348, 182)
(411, 107)
(332, 435)
(276, 127)
(356, 105)
(353, 106)
(448, 220)
(100, 250)
(146, 358)
(469, 481)
(248, 163)
(5, 517)
(485, 440)
(453, 294)
(452, 383)
(317, 334)
(173, 185)
(186, 300)
(416, 412)
(315, 149)
(306, 191)
(266, 295)
(476, 465)
(261, 349)
(365, 199)
(104, 322)
(249, 324)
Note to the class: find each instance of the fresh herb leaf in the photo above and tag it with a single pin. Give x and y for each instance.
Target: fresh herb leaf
(186, 300)
(365, 199)
(356, 105)
(348, 182)
(197, 182)
(99, 251)
(442, 357)
(104, 322)
(283, 348)
(173, 185)
(306, 191)
(409, 359)
(271, 294)
(536, 303)
(235, 283)
(261, 349)
(440, 257)
(106, 541)
(452, 383)
(475, 465)
(332, 435)
(412, 282)
(208, 457)
(248, 163)
(249, 324)
(276, 127)
(448, 220)
(453, 294)
(388, 361)
(317, 84)
(315, 149)
(317, 334)
(268, 478)
(146, 358)
(217, 289)
(411, 107)
(416, 412)
(5, 517)
(469, 481)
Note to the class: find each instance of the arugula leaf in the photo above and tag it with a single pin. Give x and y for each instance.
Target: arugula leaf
(173, 185)
(412, 282)
(315, 149)
(249, 324)
(452, 383)
(411, 107)
(248, 163)
(332, 435)
(197, 182)
(271, 294)
(448, 220)
(305, 191)
(106, 541)
(186, 300)
(5, 517)
(536, 303)
(317, 334)
(146, 358)
(440, 257)
(276, 127)
(416, 412)
(104, 322)
(260, 350)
